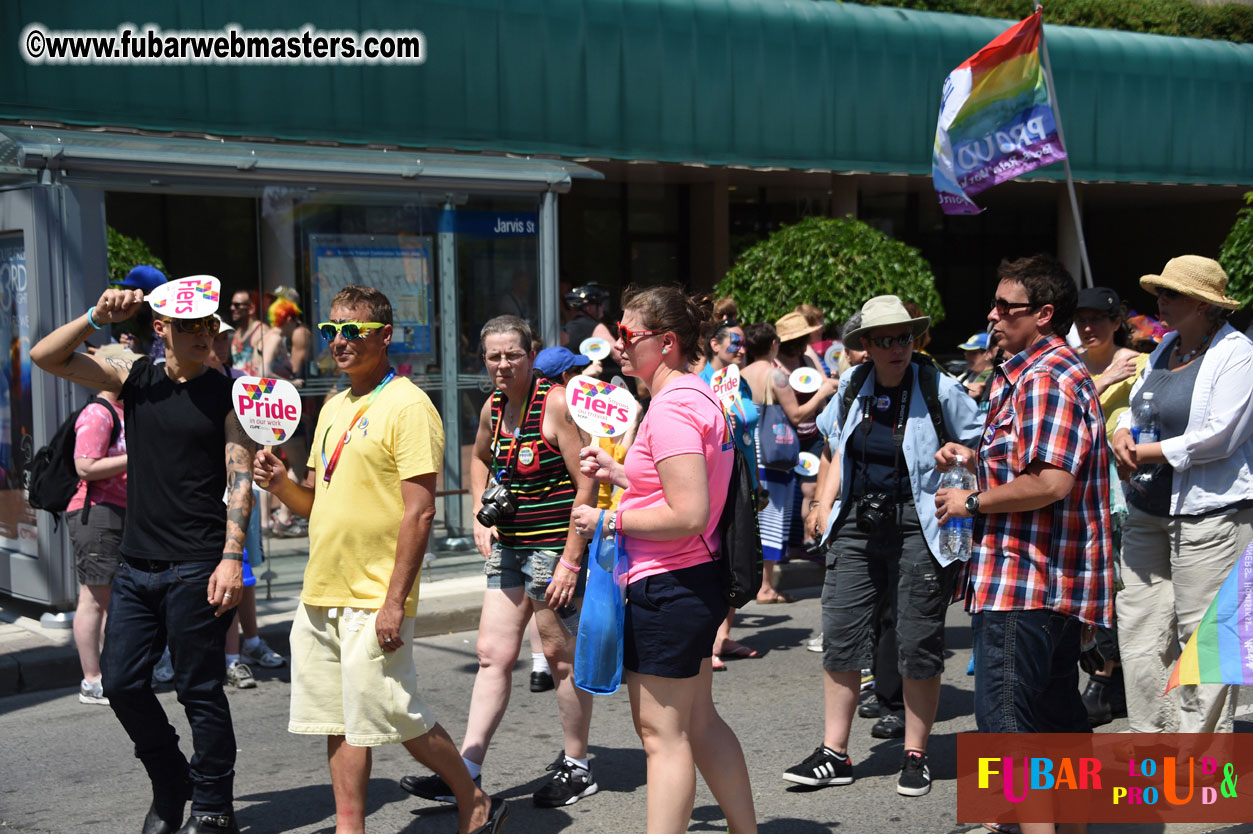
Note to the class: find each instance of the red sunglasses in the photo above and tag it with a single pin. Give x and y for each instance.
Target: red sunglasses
(630, 337)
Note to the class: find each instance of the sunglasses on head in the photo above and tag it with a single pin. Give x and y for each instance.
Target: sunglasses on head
(350, 330)
(887, 342)
(208, 324)
(630, 337)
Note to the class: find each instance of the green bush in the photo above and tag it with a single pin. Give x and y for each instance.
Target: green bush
(1236, 254)
(834, 263)
(1228, 22)
(126, 253)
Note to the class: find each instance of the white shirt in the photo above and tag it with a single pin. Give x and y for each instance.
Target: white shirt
(1213, 458)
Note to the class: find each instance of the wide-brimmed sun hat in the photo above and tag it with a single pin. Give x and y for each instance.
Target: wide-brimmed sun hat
(1194, 276)
(884, 311)
(793, 326)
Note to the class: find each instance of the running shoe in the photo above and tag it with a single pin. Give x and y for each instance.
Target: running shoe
(92, 693)
(433, 787)
(570, 784)
(821, 768)
(915, 778)
(260, 654)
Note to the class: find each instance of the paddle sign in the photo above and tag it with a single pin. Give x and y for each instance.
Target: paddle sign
(600, 409)
(726, 384)
(268, 409)
(807, 466)
(805, 380)
(832, 356)
(193, 297)
(594, 347)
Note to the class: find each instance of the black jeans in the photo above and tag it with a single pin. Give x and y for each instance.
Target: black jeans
(150, 602)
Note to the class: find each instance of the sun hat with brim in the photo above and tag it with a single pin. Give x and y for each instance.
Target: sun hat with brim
(794, 326)
(1193, 276)
(978, 341)
(884, 311)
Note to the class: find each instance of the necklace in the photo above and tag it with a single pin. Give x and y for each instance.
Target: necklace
(1184, 358)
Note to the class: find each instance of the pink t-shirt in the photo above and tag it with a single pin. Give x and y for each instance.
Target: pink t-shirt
(681, 420)
(91, 440)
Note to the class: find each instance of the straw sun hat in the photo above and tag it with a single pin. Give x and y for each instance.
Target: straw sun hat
(1195, 277)
(794, 326)
(884, 311)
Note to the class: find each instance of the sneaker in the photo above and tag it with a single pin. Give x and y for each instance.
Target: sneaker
(871, 709)
(823, 767)
(571, 784)
(240, 676)
(261, 655)
(890, 725)
(163, 672)
(91, 693)
(814, 644)
(867, 679)
(915, 778)
(542, 681)
(433, 787)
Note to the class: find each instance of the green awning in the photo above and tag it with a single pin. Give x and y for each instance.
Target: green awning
(788, 83)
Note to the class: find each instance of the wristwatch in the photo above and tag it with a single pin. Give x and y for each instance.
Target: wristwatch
(972, 502)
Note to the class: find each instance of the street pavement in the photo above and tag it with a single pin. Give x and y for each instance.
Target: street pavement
(66, 768)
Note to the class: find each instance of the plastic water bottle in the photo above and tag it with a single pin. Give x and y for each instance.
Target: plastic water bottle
(957, 534)
(1145, 428)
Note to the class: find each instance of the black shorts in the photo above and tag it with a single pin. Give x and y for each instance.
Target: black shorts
(672, 619)
(96, 535)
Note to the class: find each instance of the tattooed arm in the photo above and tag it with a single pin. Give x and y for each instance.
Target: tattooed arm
(227, 583)
(57, 353)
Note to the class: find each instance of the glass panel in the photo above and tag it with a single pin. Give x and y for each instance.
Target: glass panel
(497, 266)
(18, 529)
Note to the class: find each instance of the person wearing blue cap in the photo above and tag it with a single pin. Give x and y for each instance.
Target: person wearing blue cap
(560, 364)
(143, 277)
(978, 364)
(136, 333)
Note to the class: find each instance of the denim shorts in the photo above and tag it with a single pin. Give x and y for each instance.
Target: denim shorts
(672, 619)
(530, 569)
(892, 568)
(1027, 672)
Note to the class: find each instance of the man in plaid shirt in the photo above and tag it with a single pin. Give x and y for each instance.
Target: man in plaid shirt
(1042, 566)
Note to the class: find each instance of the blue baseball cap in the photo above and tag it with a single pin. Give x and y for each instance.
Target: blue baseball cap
(143, 277)
(552, 362)
(978, 341)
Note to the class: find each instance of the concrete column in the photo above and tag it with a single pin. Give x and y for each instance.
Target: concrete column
(709, 233)
(278, 258)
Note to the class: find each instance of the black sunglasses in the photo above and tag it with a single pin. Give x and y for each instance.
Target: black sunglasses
(888, 342)
(1004, 308)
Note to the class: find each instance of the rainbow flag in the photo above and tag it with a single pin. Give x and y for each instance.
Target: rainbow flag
(996, 122)
(1221, 648)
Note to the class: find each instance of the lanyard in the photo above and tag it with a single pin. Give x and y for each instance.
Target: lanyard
(328, 467)
(517, 430)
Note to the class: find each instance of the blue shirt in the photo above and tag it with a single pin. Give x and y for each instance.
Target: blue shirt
(741, 429)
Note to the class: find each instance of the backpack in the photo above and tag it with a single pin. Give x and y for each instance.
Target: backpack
(53, 478)
(928, 382)
(741, 562)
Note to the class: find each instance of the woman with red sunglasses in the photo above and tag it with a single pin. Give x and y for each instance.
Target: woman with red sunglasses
(677, 472)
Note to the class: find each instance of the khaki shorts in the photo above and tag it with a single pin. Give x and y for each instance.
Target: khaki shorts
(344, 684)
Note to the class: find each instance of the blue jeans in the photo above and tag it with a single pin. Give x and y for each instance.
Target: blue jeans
(1027, 672)
(150, 602)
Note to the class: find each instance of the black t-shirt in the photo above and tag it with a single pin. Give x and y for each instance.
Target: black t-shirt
(873, 470)
(176, 464)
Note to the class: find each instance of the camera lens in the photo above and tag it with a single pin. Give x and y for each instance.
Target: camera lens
(488, 515)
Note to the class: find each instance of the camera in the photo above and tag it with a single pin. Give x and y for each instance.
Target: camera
(498, 504)
(874, 512)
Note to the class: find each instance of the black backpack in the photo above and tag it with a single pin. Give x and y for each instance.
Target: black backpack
(928, 381)
(741, 560)
(53, 478)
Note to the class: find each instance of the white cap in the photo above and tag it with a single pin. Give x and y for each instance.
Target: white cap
(223, 327)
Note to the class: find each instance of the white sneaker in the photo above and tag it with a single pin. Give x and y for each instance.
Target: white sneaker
(240, 676)
(260, 654)
(163, 672)
(91, 693)
(814, 644)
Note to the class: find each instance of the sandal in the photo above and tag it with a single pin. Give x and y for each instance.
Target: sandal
(1002, 827)
(740, 650)
(718, 665)
(779, 598)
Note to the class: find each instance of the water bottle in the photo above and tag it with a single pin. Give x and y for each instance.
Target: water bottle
(957, 534)
(1145, 428)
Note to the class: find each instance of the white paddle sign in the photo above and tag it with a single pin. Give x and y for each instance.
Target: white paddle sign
(193, 297)
(805, 380)
(726, 384)
(807, 465)
(600, 409)
(268, 409)
(594, 347)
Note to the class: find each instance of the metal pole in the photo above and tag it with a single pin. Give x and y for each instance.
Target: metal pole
(449, 355)
(1070, 181)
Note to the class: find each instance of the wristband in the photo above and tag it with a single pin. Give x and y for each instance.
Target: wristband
(570, 567)
(91, 320)
(617, 522)
(232, 557)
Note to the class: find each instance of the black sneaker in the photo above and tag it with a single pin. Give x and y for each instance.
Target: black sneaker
(433, 787)
(823, 767)
(915, 778)
(890, 725)
(870, 709)
(542, 681)
(571, 784)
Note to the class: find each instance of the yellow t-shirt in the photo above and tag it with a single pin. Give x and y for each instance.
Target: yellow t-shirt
(356, 517)
(1117, 398)
(606, 497)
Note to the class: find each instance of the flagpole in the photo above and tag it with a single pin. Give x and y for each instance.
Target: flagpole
(1061, 136)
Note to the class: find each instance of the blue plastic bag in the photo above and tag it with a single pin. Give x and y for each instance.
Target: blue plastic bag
(598, 649)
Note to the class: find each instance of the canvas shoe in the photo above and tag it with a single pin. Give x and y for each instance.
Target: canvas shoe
(240, 676)
(867, 679)
(260, 654)
(915, 778)
(821, 768)
(433, 787)
(92, 693)
(570, 784)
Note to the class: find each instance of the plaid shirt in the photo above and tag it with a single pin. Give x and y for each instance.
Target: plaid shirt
(1043, 406)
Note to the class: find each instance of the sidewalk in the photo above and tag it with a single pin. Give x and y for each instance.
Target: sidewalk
(35, 657)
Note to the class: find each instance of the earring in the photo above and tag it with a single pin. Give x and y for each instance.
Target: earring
(665, 350)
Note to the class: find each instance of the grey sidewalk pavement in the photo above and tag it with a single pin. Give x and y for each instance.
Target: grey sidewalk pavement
(35, 657)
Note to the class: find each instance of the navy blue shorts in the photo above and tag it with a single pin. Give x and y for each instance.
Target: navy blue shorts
(672, 619)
